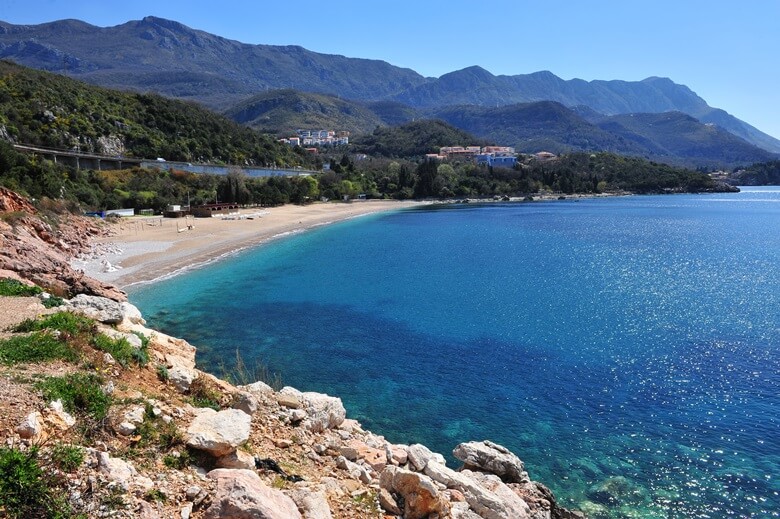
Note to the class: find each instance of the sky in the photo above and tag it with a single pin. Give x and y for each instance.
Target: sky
(726, 51)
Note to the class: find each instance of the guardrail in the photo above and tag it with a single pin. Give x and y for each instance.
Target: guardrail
(80, 160)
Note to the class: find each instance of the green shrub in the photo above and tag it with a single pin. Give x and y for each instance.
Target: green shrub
(155, 495)
(12, 287)
(177, 461)
(52, 302)
(25, 489)
(80, 393)
(121, 349)
(202, 394)
(38, 347)
(162, 372)
(63, 321)
(67, 458)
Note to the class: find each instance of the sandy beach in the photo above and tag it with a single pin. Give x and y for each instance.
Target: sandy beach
(146, 249)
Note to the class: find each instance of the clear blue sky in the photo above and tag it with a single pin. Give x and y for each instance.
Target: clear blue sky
(728, 52)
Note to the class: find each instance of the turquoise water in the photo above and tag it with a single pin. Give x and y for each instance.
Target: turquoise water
(628, 349)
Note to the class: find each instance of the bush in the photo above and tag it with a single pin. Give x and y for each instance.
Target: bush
(67, 458)
(38, 347)
(68, 322)
(80, 393)
(203, 394)
(25, 489)
(12, 287)
(121, 349)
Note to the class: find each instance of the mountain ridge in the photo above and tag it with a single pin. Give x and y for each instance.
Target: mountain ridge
(172, 59)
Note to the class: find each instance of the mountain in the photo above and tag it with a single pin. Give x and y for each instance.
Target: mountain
(477, 86)
(174, 60)
(284, 111)
(671, 137)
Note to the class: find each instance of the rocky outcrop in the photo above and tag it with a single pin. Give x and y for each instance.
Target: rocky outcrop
(493, 458)
(419, 493)
(262, 442)
(33, 249)
(11, 202)
(323, 411)
(241, 494)
(218, 432)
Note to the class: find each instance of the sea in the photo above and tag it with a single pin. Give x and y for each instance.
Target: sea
(626, 348)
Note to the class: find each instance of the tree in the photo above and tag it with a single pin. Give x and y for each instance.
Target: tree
(233, 187)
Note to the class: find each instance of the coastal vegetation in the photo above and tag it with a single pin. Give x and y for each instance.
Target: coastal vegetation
(762, 174)
(48, 110)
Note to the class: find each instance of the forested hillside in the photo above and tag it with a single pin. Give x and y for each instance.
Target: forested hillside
(50, 110)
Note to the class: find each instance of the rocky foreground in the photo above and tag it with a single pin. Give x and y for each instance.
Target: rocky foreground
(176, 442)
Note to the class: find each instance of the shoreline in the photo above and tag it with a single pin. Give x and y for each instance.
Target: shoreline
(145, 250)
(142, 250)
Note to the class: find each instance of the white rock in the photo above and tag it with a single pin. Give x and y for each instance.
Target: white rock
(31, 426)
(218, 433)
(493, 458)
(246, 401)
(419, 456)
(132, 313)
(181, 377)
(126, 428)
(59, 412)
(237, 459)
(324, 411)
(98, 308)
(186, 511)
(241, 494)
(116, 470)
(259, 388)
(135, 414)
(312, 505)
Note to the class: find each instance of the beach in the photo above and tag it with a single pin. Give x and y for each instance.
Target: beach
(143, 249)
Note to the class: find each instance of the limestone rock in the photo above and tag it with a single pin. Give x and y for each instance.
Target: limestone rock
(181, 377)
(31, 427)
(312, 505)
(289, 400)
(246, 401)
(241, 494)
(218, 433)
(397, 454)
(482, 500)
(116, 469)
(259, 388)
(324, 412)
(512, 503)
(490, 457)
(237, 459)
(388, 503)
(131, 313)
(420, 494)
(419, 456)
(98, 308)
(56, 415)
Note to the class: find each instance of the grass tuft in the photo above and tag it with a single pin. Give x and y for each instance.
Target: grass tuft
(67, 322)
(38, 347)
(26, 490)
(12, 287)
(80, 393)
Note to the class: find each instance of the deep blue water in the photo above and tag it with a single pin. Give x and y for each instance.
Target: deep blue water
(628, 349)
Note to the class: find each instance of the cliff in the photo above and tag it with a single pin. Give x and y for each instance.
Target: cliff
(117, 420)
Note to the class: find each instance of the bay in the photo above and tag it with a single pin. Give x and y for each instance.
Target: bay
(627, 349)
